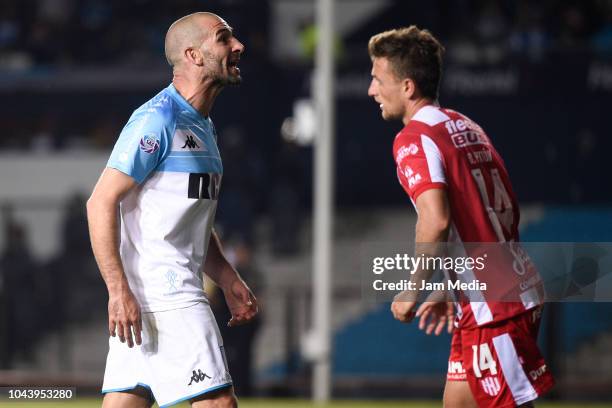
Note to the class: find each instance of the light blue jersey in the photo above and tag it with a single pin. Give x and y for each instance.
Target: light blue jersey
(171, 151)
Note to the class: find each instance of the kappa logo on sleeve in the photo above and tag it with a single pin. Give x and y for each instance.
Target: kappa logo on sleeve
(149, 143)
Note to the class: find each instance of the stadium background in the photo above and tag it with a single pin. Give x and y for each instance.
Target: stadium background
(537, 75)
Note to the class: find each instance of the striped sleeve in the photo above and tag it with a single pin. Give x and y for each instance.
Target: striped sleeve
(419, 163)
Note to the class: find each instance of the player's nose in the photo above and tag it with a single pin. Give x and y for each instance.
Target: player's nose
(371, 90)
(238, 46)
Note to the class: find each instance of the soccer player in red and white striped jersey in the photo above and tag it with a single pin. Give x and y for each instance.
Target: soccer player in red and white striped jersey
(462, 193)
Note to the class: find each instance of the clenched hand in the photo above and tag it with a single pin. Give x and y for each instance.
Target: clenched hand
(241, 302)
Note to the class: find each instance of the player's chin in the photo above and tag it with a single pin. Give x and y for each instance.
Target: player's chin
(389, 116)
(234, 80)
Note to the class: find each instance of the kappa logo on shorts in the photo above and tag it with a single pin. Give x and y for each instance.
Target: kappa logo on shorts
(490, 385)
(198, 376)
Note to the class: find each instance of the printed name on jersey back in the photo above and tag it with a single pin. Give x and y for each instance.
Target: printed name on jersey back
(480, 156)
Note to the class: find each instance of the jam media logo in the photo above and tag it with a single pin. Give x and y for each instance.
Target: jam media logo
(149, 143)
(198, 376)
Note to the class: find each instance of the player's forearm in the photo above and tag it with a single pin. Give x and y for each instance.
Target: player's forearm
(103, 231)
(432, 230)
(216, 265)
(431, 234)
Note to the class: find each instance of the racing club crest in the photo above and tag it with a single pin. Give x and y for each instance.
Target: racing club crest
(149, 143)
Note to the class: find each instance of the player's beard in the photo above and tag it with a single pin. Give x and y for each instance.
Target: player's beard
(387, 115)
(392, 109)
(222, 73)
(232, 79)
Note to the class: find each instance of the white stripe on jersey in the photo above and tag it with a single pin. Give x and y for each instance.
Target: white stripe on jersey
(480, 308)
(430, 115)
(482, 311)
(515, 376)
(434, 160)
(531, 298)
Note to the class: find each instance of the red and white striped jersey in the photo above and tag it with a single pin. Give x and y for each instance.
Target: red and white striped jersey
(441, 148)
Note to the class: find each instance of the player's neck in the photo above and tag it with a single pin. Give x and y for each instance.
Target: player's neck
(413, 107)
(201, 96)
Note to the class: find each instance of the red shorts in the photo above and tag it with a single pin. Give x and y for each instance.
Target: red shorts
(501, 361)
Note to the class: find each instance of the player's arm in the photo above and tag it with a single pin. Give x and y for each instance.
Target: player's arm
(239, 298)
(123, 309)
(432, 228)
(434, 218)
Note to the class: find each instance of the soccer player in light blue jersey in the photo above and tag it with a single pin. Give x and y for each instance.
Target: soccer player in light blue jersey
(163, 177)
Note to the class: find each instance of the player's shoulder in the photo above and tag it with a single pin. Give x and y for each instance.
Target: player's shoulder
(428, 121)
(460, 122)
(435, 117)
(161, 111)
(437, 123)
(424, 122)
(430, 116)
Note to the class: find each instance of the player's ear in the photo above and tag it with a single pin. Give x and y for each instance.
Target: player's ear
(409, 88)
(194, 56)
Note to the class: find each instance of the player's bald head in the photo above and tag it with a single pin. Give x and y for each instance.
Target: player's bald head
(188, 31)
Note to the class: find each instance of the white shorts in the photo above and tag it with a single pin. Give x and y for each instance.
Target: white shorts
(181, 357)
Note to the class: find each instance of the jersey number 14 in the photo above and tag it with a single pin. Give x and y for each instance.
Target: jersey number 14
(500, 213)
(483, 360)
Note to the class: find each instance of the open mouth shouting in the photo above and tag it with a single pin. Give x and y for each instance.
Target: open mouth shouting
(232, 65)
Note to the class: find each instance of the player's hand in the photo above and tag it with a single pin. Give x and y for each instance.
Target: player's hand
(124, 319)
(241, 302)
(440, 314)
(403, 307)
